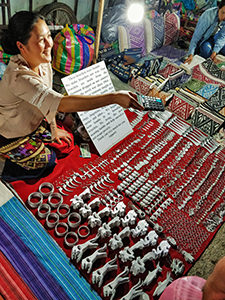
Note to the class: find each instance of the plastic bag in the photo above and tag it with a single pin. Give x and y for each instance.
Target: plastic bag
(113, 17)
(73, 48)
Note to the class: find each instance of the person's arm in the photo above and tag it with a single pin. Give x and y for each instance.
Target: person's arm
(214, 287)
(205, 26)
(76, 103)
(219, 43)
(59, 134)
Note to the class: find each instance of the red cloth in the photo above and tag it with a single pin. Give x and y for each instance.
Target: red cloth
(11, 284)
(64, 148)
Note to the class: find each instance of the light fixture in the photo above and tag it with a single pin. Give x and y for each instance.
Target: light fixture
(135, 11)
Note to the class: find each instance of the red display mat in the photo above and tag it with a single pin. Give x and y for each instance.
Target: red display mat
(176, 182)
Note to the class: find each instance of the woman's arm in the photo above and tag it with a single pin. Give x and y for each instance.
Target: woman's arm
(214, 287)
(76, 103)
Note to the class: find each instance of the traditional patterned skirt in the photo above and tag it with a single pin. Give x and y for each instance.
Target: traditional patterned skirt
(35, 150)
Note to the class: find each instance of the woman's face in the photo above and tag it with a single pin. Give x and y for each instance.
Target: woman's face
(221, 14)
(38, 48)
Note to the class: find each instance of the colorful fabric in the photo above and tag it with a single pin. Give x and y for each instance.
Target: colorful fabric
(158, 32)
(29, 152)
(172, 27)
(141, 85)
(132, 36)
(73, 48)
(25, 227)
(4, 57)
(36, 150)
(11, 284)
(212, 69)
(28, 266)
(185, 288)
(217, 101)
(201, 74)
(180, 107)
(172, 53)
(168, 70)
(194, 84)
(207, 120)
(208, 90)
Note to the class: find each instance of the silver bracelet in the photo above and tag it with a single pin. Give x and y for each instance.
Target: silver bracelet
(53, 216)
(34, 196)
(46, 185)
(55, 196)
(74, 216)
(85, 228)
(71, 235)
(63, 207)
(61, 225)
(43, 210)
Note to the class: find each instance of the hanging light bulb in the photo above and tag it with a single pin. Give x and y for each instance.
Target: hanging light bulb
(135, 12)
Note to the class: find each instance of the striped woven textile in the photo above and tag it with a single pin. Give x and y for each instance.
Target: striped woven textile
(11, 284)
(24, 228)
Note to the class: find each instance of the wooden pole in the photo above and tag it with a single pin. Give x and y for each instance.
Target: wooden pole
(98, 29)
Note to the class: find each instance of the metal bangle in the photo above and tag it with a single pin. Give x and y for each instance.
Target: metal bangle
(48, 185)
(46, 208)
(73, 235)
(54, 216)
(83, 227)
(57, 196)
(33, 196)
(75, 216)
(62, 207)
(64, 225)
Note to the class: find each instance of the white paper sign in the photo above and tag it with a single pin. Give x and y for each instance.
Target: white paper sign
(108, 125)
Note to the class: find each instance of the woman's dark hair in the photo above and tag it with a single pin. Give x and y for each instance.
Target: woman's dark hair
(221, 4)
(19, 29)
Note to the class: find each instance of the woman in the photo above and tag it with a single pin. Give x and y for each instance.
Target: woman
(28, 105)
(209, 36)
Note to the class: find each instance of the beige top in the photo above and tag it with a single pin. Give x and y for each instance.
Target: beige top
(26, 98)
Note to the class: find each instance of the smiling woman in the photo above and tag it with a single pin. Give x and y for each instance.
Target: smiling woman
(30, 138)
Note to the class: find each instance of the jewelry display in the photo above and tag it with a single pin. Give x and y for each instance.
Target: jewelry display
(43, 210)
(99, 274)
(63, 210)
(59, 232)
(52, 219)
(71, 236)
(154, 200)
(82, 229)
(55, 196)
(74, 220)
(87, 263)
(35, 199)
(46, 186)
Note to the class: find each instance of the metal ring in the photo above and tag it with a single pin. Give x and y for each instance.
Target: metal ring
(57, 196)
(73, 235)
(74, 215)
(35, 195)
(83, 227)
(62, 207)
(46, 208)
(47, 185)
(54, 216)
(61, 224)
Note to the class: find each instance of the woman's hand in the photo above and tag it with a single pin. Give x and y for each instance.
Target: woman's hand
(214, 58)
(60, 134)
(189, 59)
(127, 99)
